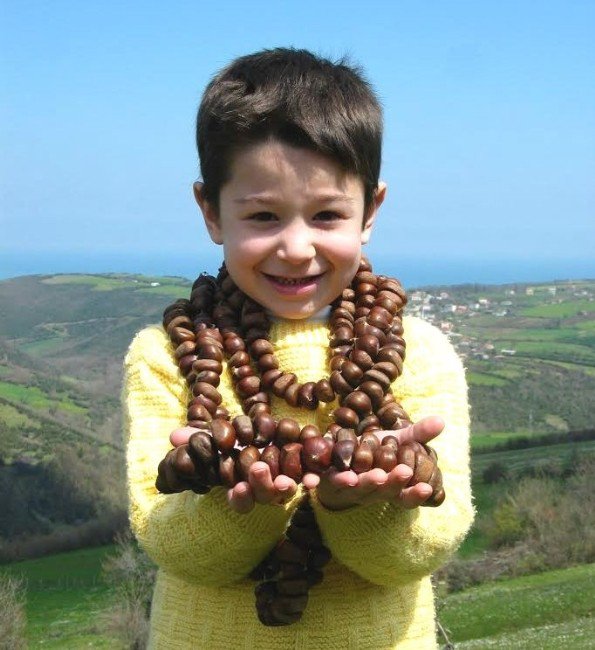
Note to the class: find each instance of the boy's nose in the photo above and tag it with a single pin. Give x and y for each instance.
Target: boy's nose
(296, 245)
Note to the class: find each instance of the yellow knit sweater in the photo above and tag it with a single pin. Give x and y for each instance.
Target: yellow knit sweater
(376, 591)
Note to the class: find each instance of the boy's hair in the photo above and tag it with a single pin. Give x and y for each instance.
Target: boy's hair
(298, 98)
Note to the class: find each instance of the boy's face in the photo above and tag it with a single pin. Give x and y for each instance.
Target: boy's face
(292, 225)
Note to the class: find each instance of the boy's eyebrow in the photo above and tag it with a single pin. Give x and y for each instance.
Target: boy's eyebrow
(271, 199)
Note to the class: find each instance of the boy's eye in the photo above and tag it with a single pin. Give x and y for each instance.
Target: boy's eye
(327, 215)
(262, 216)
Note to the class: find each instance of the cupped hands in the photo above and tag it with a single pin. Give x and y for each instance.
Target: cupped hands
(336, 490)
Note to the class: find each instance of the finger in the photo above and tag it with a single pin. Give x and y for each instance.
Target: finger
(180, 436)
(240, 498)
(310, 481)
(284, 487)
(259, 477)
(423, 431)
(416, 495)
(398, 478)
(340, 480)
(371, 481)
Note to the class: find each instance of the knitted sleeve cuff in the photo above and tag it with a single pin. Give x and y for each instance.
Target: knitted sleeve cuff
(199, 538)
(196, 537)
(389, 545)
(384, 542)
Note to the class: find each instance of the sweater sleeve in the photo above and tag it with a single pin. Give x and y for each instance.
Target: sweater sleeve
(196, 537)
(385, 543)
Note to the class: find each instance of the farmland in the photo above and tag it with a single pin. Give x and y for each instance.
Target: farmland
(67, 598)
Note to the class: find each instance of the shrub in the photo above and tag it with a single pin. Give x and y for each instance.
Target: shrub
(131, 575)
(541, 524)
(494, 472)
(506, 526)
(561, 528)
(12, 613)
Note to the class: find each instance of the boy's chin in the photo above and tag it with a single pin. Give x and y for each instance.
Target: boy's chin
(300, 313)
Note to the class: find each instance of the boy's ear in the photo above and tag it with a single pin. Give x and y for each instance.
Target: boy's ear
(209, 213)
(377, 201)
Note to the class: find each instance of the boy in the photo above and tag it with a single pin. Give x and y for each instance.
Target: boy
(290, 146)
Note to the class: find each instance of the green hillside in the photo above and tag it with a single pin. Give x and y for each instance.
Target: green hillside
(529, 350)
(66, 599)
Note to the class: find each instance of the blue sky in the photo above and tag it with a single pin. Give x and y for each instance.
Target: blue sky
(489, 150)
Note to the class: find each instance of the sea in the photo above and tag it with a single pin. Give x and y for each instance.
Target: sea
(413, 272)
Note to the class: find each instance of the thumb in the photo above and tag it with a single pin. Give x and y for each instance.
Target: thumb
(422, 431)
(180, 436)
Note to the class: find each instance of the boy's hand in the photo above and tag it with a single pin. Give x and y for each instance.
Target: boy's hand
(341, 490)
(336, 490)
(259, 488)
(180, 436)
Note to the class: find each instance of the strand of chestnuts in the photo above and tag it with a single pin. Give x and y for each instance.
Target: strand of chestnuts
(220, 323)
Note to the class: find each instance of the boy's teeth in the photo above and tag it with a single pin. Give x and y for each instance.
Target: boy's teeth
(291, 281)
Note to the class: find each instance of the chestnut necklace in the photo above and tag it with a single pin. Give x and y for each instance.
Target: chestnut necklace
(367, 352)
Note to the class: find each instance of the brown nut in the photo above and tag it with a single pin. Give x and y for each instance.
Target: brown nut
(370, 439)
(267, 362)
(208, 390)
(280, 385)
(346, 417)
(264, 429)
(248, 386)
(288, 430)
(291, 553)
(346, 434)
(339, 384)
(292, 394)
(316, 454)
(368, 343)
(224, 435)
(352, 373)
(271, 456)
(306, 397)
(324, 391)
(406, 454)
(182, 462)
(290, 461)
(359, 401)
(363, 459)
(201, 448)
(227, 469)
(246, 458)
(374, 391)
(424, 466)
(309, 431)
(242, 425)
(342, 454)
(385, 457)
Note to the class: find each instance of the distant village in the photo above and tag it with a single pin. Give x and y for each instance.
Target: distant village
(453, 311)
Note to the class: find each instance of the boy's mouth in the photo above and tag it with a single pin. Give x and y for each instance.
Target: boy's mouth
(293, 284)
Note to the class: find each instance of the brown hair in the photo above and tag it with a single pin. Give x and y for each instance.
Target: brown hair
(296, 97)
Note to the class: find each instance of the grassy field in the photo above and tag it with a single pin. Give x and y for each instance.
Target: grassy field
(518, 459)
(36, 398)
(561, 310)
(12, 417)
(487, 440)
(65, 598)
(550, 610)
(176, 287)
(547, 610)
